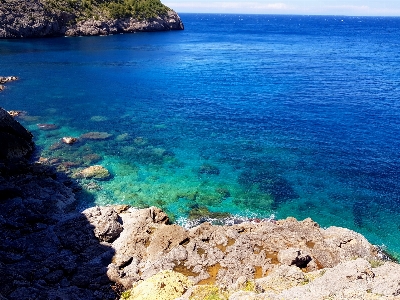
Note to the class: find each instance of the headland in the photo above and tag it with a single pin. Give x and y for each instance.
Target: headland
(46, 18)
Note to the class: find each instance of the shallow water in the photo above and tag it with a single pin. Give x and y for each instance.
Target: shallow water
(244, 115)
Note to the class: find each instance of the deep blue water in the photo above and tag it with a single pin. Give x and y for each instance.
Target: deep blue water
(251, 115)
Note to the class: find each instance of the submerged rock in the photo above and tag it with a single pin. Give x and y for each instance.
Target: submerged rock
(96, 135)
(98, 118)
(95, 172)
(209, 170)
(91, 158)
(45, 126)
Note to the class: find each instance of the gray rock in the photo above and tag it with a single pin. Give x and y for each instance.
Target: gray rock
(108, 224)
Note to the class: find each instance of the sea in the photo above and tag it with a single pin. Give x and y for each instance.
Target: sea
(237, 117)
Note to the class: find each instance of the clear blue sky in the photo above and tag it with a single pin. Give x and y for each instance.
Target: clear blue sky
(303, 7)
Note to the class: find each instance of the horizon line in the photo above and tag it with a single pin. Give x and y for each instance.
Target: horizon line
(287, 14)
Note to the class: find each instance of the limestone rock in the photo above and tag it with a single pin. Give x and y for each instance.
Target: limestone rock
(223, 254)
(69, 140)
(354, 279)
(169, 21)
(280, 279)
(108, 224)
(7, 79)
(166, 285)
(16, 142)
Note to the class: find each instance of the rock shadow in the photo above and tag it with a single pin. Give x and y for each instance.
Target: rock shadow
(48, 250)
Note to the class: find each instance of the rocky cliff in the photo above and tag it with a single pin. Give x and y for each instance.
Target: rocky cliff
(16, 142)
(42, 18)
(49, 250)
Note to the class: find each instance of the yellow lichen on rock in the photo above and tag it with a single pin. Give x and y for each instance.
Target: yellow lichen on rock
(166, 285)
(208, 292)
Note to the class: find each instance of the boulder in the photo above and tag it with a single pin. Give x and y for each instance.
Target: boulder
(69, 140)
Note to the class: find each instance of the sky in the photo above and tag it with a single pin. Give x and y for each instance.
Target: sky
(298, 7)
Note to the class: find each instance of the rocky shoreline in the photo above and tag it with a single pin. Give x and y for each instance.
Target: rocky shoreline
(4, 80)
(28, 19)
(49, 250)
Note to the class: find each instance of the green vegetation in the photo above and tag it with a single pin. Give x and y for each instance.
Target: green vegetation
(114, 9)
(375, 263)
(142, 9)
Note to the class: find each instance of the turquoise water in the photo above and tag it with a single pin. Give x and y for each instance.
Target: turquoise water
(249, 116)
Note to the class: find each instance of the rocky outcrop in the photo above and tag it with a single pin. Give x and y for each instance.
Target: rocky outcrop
(16, 142)
(224, 254)
(169, 21)
(37, 18)
(29, 19)
(286, 259)
(5, 80)
(354, 279)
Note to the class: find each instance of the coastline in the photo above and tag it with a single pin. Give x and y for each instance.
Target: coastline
(44, 21)
(51, 249)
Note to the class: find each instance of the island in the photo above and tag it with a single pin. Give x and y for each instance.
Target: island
(46, 18)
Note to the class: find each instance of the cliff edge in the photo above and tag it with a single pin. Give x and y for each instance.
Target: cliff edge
(44, 18)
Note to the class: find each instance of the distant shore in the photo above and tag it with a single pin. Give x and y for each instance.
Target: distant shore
(47, 20)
